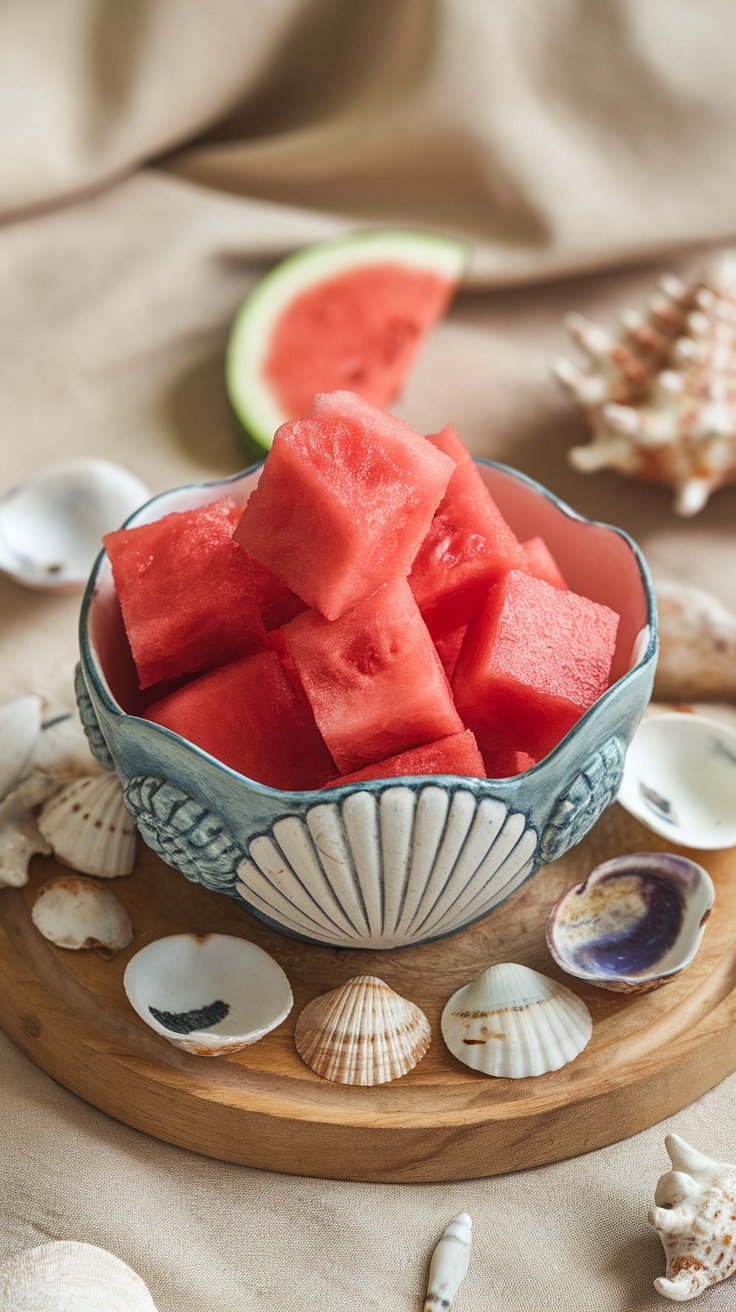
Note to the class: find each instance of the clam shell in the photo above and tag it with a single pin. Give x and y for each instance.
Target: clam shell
(20, 725)
(513, 1022)
(69, 1277)
(89, 828)
(210, 995)
(635, 922)
(77, 913)
(362, 1033)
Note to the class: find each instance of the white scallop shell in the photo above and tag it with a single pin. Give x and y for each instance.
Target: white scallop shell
(70, 1277)
(89, 828)
(383, 869)
(77, 913)
(362, 1033)
(210, 995)
(513, 1022)
(20, 725)
(20, 837)
(694, 1216)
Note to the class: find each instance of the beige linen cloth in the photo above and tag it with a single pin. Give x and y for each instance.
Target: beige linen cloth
(562, 138)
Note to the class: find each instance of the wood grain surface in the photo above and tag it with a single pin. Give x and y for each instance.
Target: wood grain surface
(648, 1057)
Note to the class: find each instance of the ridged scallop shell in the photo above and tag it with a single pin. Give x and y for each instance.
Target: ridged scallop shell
(695, 1216)
(66, 1276)
(514, 1022)
(89, 828)
(77, 913)
(660, 396)
(362, 1033)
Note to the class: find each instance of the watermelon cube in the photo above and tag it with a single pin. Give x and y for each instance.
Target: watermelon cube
(276, 603)
(185, 592)
(457, 754)
(448, 647)
(468, 548)
(534, 659)
(542, 564)
(505, 765)
(373, 678)
(345, 497)
(248, 716)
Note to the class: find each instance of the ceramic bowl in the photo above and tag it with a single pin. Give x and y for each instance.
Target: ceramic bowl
(384, 863)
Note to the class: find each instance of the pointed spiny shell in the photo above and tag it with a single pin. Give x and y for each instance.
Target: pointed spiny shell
(77, 913)
(697, 644)
(362, 1033)
(449, 1264)
(513, 1022)
(20, 725)
(695, 1216)
(89, 828)
(70, 1277)
(660, 396)
(20, 837)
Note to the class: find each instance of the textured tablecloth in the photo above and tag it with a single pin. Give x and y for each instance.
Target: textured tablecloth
(571, 138)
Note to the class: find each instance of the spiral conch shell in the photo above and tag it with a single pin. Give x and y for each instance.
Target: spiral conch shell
(362, 1033)
(695, 1215)
(449, 1265)
(660, 396)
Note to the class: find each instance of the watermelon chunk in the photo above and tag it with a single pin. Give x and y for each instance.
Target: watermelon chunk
(248, 716)
(542, 563)
(469, 546)
(277, 603)
(373, 678)
(457, 754)
(185, 592)
(505, 765)
(448, 646)
(534, 659)
(346, 496)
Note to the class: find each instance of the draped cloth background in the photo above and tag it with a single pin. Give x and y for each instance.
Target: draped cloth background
(155, 157)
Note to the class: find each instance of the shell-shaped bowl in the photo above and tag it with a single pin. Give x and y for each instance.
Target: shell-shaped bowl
(635, 922)
(382, 863)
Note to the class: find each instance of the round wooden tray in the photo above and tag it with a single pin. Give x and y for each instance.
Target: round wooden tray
(648, 1057)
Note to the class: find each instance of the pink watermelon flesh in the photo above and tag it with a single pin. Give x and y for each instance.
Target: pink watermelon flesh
(542, 563)
(359, 331)
(247, 715)
(468, 548)
(185, 592)
(373, 678)
(534, 659)
(448, 648)
(505, 765)
(345, 497)
(276, 603)
(457, 754)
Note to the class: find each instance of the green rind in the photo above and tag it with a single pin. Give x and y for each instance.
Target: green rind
(255, 411)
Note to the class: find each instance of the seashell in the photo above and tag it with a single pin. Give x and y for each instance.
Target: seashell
(513, 1022)
(660, 396)
(680, 779)
(697, 644)
(77, 913)
(51, 527)
(362, 1033)
(449, 1265)
(88, 827)
(20, 837)
(635, 922)
(695, 1216)
(210, 995)
(20, 725)
(66, 1276)
(61, 748)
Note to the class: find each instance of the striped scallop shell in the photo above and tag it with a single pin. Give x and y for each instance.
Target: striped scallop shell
(362, 1033)
(66, 1276)
(89, 828)
(514, 1022)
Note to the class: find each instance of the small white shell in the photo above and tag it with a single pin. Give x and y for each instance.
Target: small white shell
(680, 780)
(362, 1033)
(449, 1265)
(694, 1216)
(20, 725)
(88, 827)
(77, 913)
(51, 527)
(210, 995)
(62, 748)
(69, 1277)
(513, 1022)
(20, 837)
(697, 644)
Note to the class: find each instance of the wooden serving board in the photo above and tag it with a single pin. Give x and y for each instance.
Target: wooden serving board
(649, 1056)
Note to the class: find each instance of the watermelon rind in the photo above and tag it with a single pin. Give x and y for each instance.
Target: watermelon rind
(256, 409)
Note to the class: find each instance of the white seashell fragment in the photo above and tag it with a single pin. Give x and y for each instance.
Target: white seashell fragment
(695, 1216)
(61, 748)
(20, 837)
(70, 1277)
(697, 644)
(211, 995)
(77, 913)
(20, 725)
(449, 1265)
(51, 527)
(89, 828)
(513, 1022)
(362, 1033)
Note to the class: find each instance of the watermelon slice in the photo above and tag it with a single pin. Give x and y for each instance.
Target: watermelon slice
(345, 498)
(457, 754)
(347, 314)
(542, 563)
